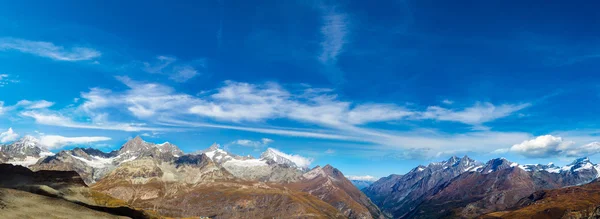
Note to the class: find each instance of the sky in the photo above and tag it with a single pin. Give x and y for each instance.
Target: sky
(370, 88)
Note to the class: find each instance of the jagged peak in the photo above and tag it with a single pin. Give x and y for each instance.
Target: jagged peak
(213, 147)
(453, 159)
(137, 139)
(581, 160)
(28, 140)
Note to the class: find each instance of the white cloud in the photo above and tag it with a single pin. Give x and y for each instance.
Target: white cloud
(584, 150)
(542, 146)
(300, 161)
(49, 50)
(330, 151)
(40, 104)
(250, 143)
(448, 102)
(249, 102)
(553, 146)
(57, 141)
(25, 104)
(237, 103)
(475, 115)
(60, 120)
(363, 178)
(8, 136)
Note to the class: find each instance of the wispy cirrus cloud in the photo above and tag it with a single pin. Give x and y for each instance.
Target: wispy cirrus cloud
(49, 50)
(56, 119)
(475, 115)
(242, 106)
(175, 69)
(335, 32)
(250, 143)
(25, 104)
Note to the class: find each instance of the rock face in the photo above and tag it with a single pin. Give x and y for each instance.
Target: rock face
(465, 188)
(25, 152)
(331, 186)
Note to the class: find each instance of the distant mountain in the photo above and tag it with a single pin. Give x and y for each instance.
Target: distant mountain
(361, 184)
(397, 195)
(462, 187)
(25, 152)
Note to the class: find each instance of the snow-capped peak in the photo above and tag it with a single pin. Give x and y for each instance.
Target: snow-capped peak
(278, 157)
(28, 141)
(579, 164)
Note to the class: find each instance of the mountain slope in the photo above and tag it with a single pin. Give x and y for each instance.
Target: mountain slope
(465, 188)
(398, 195)
(195, 186)
(28, 194)
(570, 202)
(331, 186)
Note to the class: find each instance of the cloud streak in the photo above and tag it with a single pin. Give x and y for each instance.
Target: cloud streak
(335, 33)
(49, 50)
(57, 141)
(241, 106)
(177, 71)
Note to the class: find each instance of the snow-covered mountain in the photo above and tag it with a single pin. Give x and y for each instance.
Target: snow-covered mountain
(272, 166)
(93, 164)
(273, 156)
(456, 179)
(25, 151)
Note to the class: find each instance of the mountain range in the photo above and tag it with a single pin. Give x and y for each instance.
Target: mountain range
(159, 179)
(465, 188)
(209, 183)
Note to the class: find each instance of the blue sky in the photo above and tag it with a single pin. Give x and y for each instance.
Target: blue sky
(372, 89)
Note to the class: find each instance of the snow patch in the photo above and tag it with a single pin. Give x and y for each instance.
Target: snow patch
(28, 161)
